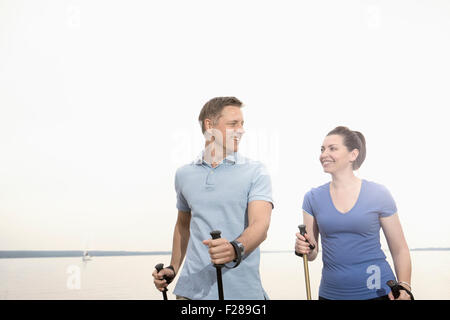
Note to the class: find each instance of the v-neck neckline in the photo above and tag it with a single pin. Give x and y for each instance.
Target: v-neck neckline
(356, 203)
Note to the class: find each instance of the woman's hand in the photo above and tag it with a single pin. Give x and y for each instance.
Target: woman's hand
(403, 296)
(302, 243)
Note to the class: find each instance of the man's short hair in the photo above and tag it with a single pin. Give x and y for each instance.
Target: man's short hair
(213, 109)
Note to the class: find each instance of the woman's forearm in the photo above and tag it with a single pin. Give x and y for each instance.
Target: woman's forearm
(402, 265)
(313, 254)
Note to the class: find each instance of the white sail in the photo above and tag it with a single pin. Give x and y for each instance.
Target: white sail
(86, 256)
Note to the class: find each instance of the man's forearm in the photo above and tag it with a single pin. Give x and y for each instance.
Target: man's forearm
(253, 236)
(180, 241)
(259, 212)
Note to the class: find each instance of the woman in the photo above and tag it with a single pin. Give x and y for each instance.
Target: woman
(348, 213)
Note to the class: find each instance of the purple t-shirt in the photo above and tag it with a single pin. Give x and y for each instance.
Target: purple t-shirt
(354, 266)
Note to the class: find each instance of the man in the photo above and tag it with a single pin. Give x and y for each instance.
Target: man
(221, 190)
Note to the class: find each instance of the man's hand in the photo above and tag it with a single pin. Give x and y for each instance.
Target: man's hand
(220, 250)
(159, 281)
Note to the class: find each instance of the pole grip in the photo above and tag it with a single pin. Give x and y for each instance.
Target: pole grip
(302, 229)
(215, 234)
(394, 288)
(158, 268)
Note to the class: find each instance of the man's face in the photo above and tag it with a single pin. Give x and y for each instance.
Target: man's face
(230, 127)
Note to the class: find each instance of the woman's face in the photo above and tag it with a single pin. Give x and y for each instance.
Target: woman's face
(335, 156)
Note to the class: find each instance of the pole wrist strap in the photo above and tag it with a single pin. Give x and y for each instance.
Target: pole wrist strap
(238, 259)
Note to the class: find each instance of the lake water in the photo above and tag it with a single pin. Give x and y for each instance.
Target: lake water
(129, 277)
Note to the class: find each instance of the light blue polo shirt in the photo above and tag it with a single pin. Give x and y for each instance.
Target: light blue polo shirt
(354, 266)
(218, 199)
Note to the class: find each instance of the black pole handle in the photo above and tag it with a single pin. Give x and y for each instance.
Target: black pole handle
(158, 268)
(394, 288)
(216, 235)
(302, 229)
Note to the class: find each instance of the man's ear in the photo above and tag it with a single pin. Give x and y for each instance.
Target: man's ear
(208, 123)
(209, 133)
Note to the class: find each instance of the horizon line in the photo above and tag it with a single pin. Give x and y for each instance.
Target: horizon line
(5, 254)
(165, 251)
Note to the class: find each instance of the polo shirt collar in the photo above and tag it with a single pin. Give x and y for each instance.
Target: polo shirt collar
(231, 158)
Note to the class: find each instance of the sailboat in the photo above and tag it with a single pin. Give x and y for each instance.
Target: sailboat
(86, 256)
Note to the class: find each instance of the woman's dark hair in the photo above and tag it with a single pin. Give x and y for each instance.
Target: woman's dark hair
(352, 140)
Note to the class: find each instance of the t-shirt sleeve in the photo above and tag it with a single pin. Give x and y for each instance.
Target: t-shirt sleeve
(261, 187)
(307, 206)
(387, 203)
(182, 204)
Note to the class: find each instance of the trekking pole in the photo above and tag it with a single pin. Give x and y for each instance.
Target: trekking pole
(216, 235)
(302, 229)
(158, 268)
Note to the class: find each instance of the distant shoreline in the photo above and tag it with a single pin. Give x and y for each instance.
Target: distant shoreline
(11, 254)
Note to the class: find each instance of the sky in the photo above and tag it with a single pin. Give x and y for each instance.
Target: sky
(99, 103)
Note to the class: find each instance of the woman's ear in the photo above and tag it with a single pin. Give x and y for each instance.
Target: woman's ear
(354, 155)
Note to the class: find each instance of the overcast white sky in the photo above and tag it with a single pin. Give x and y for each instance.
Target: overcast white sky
(99, 101)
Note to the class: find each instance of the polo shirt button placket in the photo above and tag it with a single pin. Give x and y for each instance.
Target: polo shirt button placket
(210, 180)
